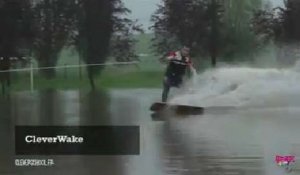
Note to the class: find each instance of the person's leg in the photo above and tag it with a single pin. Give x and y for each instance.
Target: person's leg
(166, 89)
(178, 82)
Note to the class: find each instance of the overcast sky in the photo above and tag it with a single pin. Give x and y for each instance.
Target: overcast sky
(143, 9)
(277, 2)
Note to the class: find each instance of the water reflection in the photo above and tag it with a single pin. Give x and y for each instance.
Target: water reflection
(6, 128)
(184, 155)
(52, 107)
(94, 108)
(235, 142)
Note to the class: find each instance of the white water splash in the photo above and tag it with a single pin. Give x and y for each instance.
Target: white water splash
(194, 77)
(243, 86)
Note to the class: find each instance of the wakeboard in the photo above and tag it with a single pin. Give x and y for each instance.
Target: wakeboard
(178, 109)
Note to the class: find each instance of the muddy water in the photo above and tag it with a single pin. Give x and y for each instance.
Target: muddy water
(236, 142)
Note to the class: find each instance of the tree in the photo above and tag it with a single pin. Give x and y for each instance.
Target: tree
(195, 23)
(290, 16)
(103, 30)
(290, 39)
(214, 40)
(217, 28)
(239, 38)
(15, 34)
(53, 22)
(94, 31)
(122, 41)
(281, 26)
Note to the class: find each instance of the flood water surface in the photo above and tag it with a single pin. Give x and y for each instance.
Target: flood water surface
(240, 142)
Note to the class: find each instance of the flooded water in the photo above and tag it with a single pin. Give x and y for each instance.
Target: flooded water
(244, 141)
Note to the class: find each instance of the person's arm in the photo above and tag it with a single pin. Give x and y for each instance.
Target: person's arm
(190, 64)
(168, 57)
(191, 70)
(171, 56)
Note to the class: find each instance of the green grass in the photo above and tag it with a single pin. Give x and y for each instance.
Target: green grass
(144, 43)
(147, 74)
(107, 80)
(139, 79)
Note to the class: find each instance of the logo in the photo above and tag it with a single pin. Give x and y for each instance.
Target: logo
(285, 161)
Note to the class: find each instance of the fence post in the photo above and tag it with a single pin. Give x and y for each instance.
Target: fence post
(65, 71)
(31, 76)
(80, 73)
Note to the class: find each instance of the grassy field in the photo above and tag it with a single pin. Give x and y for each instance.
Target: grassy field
(132, 79)
(147, 74)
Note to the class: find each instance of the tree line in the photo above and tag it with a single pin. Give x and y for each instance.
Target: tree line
(43, 28)
(225, 30)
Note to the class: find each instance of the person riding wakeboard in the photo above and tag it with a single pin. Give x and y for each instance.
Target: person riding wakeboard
(179, 62)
